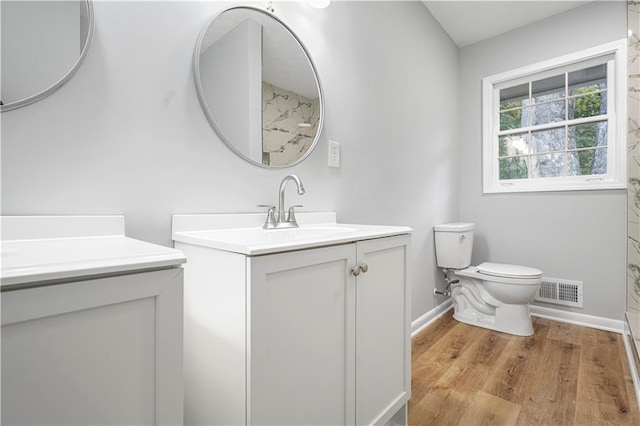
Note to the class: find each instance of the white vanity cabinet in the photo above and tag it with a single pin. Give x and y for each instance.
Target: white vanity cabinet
(293, 337)
(91, 324)
(97, 351)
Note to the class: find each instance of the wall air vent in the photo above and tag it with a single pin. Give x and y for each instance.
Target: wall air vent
(560, 292)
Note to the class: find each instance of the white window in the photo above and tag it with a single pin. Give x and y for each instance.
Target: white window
(557, 125)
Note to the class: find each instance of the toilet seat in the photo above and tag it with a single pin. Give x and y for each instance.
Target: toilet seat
(529, 276)
(503, 270)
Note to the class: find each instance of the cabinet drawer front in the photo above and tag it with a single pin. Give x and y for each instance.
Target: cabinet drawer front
(302, 337)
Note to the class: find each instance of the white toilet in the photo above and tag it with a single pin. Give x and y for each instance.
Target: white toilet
(490, 295)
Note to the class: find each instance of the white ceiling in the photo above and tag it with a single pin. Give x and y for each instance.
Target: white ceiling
(469, 22)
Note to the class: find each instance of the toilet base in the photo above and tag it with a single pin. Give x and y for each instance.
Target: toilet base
(510, 319)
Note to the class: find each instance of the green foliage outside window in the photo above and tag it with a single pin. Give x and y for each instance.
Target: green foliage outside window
(588, 102)
(511, 115)
(513, 168)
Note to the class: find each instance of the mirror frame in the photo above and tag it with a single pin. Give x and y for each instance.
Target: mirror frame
(207, 111)
(65, 78)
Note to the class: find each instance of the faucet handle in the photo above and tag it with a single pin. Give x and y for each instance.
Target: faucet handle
(270, 222)
(291, 217)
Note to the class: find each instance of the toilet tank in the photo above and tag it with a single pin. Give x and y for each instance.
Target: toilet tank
(454, 243)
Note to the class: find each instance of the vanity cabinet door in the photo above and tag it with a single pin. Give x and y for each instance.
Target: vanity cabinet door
(301, 358)
(383, 352)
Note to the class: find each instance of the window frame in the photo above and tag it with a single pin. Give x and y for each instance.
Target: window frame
(616, 119)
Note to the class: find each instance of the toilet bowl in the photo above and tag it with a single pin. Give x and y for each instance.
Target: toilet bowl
(491, 295)
(498, 302)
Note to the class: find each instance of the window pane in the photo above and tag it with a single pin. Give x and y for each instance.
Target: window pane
(587, 103)
(550, 112)
(548, 89)
(547, 140)
(588, 162)
(588, 135)
(513, 168)
(511, 104)
(511, 119)
(514, 94)
(587, 88)
(512, 145)
(548, 165)
(590, 79)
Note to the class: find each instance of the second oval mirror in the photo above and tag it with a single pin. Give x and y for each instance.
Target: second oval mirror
(43, 44)
(258, 87)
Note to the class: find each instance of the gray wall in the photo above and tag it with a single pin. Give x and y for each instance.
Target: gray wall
(127, 136)
(577, 235)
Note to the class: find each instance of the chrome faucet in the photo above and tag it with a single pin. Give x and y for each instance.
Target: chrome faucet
(281, 219)
(288, 220)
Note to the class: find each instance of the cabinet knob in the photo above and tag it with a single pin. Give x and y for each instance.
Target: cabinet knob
(362, 268)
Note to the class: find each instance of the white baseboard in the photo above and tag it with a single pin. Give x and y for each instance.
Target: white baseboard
(630, 360)
(425, 320)
(606, 324)
(600, 323)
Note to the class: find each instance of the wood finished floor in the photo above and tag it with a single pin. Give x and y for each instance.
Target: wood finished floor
(562, 375)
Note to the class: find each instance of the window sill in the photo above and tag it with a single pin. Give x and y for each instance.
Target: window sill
(553, 186)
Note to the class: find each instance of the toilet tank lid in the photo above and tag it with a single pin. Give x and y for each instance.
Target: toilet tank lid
(508, 271)
(454, 227)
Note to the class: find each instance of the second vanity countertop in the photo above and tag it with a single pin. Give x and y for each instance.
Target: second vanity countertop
(243, 233)
(37, 249)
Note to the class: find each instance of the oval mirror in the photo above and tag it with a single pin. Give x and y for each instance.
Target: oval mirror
(258, 87)
(43, 44)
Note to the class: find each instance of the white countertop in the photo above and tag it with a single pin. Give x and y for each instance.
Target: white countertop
(95, 245)
(246, 236)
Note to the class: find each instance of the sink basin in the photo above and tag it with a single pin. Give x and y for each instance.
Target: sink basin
(300, 233)
(222, 232)
(259, 236)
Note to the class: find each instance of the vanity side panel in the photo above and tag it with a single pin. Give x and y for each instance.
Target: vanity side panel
(214, 336)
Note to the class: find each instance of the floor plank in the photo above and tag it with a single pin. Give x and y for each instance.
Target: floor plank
(422, 342)
(429, 365)
(624, 361)
(438, 406)
(519, 360)
(551, 401)
(562, 375)
(486, 409)
(474, 366)
(602, 393)
(560, 332)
